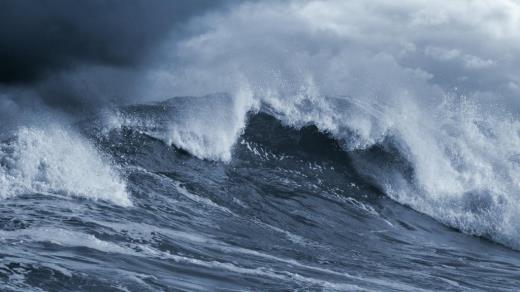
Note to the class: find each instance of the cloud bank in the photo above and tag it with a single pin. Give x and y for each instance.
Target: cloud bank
(353, 48)
(71, 53)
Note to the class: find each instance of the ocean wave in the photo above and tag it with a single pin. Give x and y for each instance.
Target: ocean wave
(437, 161)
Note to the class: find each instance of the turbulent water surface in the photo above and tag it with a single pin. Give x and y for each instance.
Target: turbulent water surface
(291, 208)
(297, 145)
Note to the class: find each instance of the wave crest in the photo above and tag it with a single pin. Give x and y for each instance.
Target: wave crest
(56, 160)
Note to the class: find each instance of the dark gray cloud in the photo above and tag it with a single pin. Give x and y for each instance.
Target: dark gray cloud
(41, 37)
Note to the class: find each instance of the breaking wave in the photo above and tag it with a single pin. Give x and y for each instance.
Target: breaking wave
(453, 162)
(56, 160)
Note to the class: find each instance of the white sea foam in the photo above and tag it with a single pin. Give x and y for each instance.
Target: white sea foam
(56, 160)
(209, 128)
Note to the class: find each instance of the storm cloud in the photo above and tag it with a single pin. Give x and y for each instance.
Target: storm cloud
(40, 37)
(72, 54)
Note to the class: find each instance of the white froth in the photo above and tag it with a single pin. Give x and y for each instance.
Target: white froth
(209, 127)
(56, 160)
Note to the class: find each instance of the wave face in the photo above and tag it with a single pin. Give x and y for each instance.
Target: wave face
(294, 205)
(458, 163)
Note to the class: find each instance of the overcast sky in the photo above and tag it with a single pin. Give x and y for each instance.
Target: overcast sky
(79, 53)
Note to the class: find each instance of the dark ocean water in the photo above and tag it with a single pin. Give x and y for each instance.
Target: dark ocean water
(289, 211)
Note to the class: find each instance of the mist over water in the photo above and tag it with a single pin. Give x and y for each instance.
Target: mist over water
(268, 141)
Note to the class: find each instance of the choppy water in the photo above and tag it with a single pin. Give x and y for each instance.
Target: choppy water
(116, 208)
